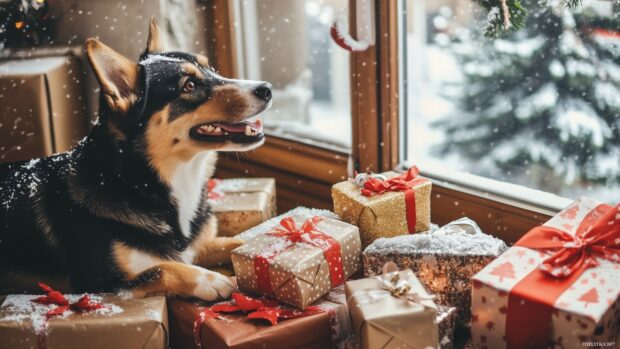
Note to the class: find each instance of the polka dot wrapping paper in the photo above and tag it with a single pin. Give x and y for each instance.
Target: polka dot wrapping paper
(242, 203)
(299, 265)
(382, 215)
(528, 298)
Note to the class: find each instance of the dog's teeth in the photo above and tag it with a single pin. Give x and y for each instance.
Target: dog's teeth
(218, 130)
(209, 128)
(226, 133)
(248, 130)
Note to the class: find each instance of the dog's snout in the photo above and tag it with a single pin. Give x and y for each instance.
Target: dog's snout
(263, 92)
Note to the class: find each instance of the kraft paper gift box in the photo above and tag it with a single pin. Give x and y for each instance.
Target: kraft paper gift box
(43, 110)
(241, 203)
(330, 327)
(298, 260)
(398, 206)
(556, 287)
(444, 260)
(394, 310)
(135, 323)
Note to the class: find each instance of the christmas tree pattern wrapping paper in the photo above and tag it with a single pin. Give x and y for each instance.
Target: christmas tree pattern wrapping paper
(394, 310)
(330, 327)
(298, 260)
(401, 209)
(118, 323)
(556, 287)
(241, 203)
(443, 259)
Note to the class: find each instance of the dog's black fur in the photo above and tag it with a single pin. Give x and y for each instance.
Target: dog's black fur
(61, 216)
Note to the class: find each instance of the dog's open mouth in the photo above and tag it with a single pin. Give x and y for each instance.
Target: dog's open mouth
(243, 132)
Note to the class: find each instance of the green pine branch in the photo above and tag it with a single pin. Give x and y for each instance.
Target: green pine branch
(518, 14)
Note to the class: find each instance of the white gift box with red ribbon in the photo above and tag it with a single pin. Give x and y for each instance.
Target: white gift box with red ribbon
(557, 287)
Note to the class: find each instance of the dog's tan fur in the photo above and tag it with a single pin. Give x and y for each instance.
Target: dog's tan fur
(169, 145)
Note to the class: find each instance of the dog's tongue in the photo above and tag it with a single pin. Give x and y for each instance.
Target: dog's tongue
(256, 126)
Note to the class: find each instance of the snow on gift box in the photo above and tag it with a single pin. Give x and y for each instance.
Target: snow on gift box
(298, 260)
(556, 287)
(383, 208)
(444, 260)
(241, 203)
(83, 321)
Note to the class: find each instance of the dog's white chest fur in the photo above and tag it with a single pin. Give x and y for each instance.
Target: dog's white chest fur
(187, 185)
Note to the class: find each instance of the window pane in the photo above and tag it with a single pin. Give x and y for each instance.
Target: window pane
(287, 43)
(539, 107)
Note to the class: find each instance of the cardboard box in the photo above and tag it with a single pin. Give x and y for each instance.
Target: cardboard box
(328, 329)
(387, 214)
(242, 203)
(42, 110)
(444, 260)
(387, 317)
(136, 323)
(299, 260)
(534, 296)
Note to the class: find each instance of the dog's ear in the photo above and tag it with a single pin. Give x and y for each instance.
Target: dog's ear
(117, 75)
(156, 42)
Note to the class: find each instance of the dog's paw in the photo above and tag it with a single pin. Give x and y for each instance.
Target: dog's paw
(212, 286)
(230, 244)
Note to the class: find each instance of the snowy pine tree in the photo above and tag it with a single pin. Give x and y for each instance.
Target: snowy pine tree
(543, 102)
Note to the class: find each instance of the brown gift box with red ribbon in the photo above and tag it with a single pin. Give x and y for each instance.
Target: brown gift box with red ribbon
(401, 205)
(98, 321)
(299, 260)
(241, 203)
(557, 287)
(325, 325)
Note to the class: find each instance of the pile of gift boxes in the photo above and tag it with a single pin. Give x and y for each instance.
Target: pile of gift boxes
(375, 273)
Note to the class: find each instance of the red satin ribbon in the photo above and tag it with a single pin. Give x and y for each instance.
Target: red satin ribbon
(263, 309)
(531, 301)
(291, 235)
(405, 182)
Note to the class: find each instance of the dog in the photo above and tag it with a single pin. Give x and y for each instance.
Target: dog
(126, 210)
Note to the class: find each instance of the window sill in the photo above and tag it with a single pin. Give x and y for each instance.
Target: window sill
(502, 209)
(502, 192)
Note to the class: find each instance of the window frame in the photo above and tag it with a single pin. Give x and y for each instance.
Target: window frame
(305, 172)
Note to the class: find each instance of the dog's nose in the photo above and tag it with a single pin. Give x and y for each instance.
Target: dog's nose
(263, 92)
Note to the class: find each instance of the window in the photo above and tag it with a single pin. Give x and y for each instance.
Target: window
(287, 43)
(539, 107)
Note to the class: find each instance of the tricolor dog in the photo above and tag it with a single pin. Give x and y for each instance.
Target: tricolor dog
(126, 208)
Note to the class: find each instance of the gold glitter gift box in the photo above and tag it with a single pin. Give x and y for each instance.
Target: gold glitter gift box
(385, 214)
(298, 260)
(444, 260)
(242, 203)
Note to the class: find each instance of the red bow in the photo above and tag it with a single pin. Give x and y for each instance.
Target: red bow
(257, 309)
(83, 304)
(403, 182)
(290, 232)
(598, 236)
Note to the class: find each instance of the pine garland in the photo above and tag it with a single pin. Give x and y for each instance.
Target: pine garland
(508, 15)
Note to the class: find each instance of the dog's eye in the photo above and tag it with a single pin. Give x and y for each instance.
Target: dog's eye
(189, 86)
